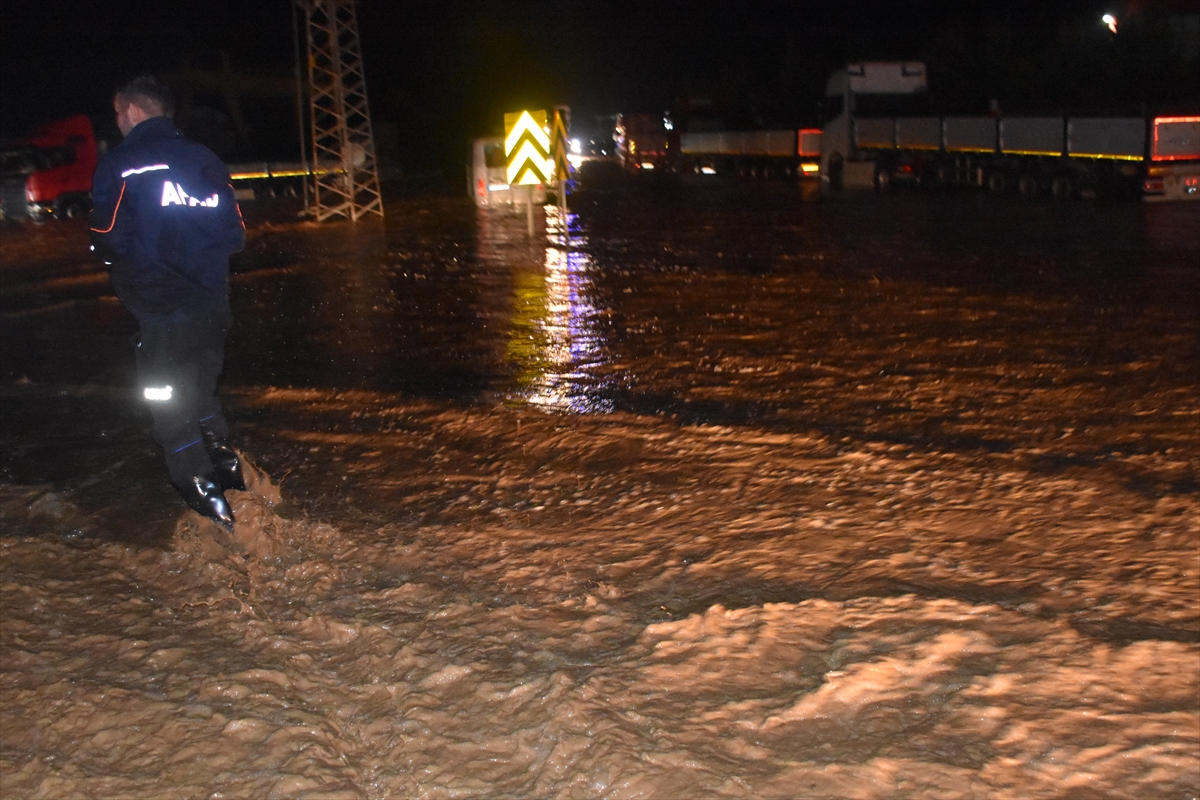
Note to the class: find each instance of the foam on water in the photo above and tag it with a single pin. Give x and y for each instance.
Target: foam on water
(291, 659)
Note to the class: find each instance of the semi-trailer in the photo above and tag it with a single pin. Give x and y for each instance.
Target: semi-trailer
(1156, 157)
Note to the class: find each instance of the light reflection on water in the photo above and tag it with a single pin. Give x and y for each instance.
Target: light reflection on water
(554, 339)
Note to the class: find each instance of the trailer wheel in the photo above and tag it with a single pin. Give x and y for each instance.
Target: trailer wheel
(997, 183)
(1062, 187)
(1027, 185)
(943, 175)
(883, 179)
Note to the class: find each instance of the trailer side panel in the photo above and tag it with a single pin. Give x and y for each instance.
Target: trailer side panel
(1032, 136)
(919, 133)
(875, 133)
(969, 134)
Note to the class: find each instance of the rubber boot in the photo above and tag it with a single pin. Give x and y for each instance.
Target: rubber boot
(226, 461)
(229, 467)
(205, 497)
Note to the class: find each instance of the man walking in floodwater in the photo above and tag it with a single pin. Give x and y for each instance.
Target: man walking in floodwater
(165, 218)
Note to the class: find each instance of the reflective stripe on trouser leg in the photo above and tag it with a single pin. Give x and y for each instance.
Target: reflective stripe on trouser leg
(158, 394)
(177, 430)
(185, 353)
(215, 428)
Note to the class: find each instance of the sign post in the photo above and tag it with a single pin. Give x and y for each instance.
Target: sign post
(562, 168)
(529, 211)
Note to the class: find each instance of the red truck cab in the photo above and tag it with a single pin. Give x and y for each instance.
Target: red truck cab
(645, 142)
(49, 172)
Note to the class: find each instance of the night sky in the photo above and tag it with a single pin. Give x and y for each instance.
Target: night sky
(443, 72)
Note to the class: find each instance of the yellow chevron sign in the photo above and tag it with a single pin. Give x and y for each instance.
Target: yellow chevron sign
(527, 148)
(558, 147)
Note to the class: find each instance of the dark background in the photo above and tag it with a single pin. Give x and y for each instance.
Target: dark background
(441, 73)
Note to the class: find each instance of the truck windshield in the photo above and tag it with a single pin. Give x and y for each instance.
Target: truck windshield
(493, 156)
(50, 157)
(27, 159)
(17, 161)
(831, 108)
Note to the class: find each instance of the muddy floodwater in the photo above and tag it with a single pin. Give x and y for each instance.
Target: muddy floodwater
(707, 490)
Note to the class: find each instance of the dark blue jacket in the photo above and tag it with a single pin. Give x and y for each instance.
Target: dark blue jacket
(164, 215)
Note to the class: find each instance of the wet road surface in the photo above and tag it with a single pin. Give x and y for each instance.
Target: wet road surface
(718, 490)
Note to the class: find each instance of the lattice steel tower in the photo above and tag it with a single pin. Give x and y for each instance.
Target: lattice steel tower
(345, 178)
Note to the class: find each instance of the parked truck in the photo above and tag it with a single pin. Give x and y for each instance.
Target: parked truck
(49, 172)
(876, 136)
(645, 142)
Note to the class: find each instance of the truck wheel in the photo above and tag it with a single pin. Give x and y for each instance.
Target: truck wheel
(1027, 185)
(1062, 187)
(837, 171)
(997, 183)
(70, 208)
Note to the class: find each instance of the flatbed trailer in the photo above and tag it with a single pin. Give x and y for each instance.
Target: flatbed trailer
(256, 179)
(1155, 158)
(766, 153)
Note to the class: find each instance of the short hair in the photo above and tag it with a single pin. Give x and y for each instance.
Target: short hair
(149, 93)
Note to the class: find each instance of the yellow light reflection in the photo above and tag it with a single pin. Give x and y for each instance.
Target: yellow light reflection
(554, 338)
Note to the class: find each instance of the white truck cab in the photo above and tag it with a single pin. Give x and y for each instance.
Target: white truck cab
(882, 88)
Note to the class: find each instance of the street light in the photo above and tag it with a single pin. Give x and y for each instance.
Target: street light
(1110, 21)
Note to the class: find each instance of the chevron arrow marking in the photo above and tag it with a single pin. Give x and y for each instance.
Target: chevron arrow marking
(527, 148)
(527, 139)
(559, 145)
(525, 161)
(528, 176)
(526, 124)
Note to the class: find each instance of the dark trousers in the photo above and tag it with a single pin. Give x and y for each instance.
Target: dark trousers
(178, 361)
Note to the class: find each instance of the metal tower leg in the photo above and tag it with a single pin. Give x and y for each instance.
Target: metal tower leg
(345, 179)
